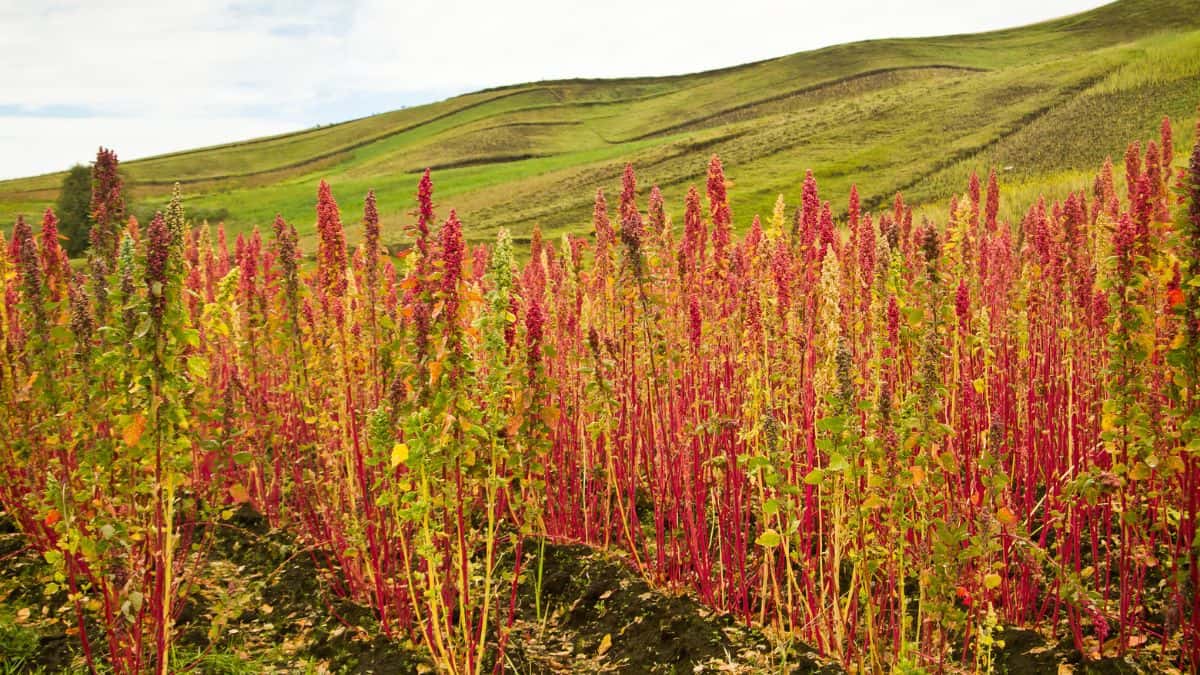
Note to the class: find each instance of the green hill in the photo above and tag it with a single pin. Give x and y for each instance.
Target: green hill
(1044, 103)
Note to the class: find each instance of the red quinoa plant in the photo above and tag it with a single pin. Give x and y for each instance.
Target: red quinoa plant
(885, 438)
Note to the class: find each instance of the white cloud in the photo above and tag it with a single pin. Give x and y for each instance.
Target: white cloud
(148, 76)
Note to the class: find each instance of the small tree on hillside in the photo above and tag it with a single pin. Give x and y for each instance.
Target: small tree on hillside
(74, 209)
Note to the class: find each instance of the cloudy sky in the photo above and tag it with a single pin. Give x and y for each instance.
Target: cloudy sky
(147, 77)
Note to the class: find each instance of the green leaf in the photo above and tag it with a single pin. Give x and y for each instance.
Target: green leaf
(198, 367)
(768, 539)
(833, 425)
(837, 463)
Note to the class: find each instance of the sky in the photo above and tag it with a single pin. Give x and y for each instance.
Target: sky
(148, 77)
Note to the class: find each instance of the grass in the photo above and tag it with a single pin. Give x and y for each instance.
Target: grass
(915, 115)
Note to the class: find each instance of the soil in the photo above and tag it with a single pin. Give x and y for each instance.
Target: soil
(261, 599)
(599, 616)
(1027, 651)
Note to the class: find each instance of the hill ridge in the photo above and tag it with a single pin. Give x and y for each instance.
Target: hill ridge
(899, 113)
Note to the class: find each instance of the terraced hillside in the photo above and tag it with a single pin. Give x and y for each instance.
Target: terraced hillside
(1043, 103)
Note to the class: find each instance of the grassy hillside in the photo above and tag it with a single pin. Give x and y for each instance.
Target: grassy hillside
(1044, 103)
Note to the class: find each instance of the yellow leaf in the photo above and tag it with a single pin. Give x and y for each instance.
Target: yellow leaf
(399, 454)
(991, 580)
(1173, 464)
(133, 431)
(514, 425)
(948, 462)
(978, 384)
(238, 492)
(1006, 516)
(435, 369)
(605, 644)
(872, 502)
(550, 415)
(1140, 471)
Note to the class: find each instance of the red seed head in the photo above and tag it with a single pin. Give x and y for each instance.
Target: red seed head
(371, 225)
(23, 250)
(781, 270)
(694, 322)
(1099, 307)
(866, 253)
(694, 232)
(629, 206)
(1038, 224)
(973, 191)
(600, 222)
(1105, 191)
(853, 211)
(158, 249)
(811, 202)
(53, 258)
(1133, 168)
(248, 260)
(424, 204)
(577, 246)
(1125, 243)
(453, 252)
(535, 319)
(829, 236)
(289, 261)
(82, 324)
(657, 213)
(718, 204)
(1192, 190)
(332, 259)
(893, 322)
(931, 247)
(853, 216)
(107, 206)
(1143, 206)
(1166, 147)
(962, 304)
(755, 236)
(993, 201)
(1074, 221)
(1154, 168)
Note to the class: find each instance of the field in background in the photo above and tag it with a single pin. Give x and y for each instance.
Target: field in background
(1044, 104)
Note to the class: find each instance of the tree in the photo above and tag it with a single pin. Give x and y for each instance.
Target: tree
(73, 209)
